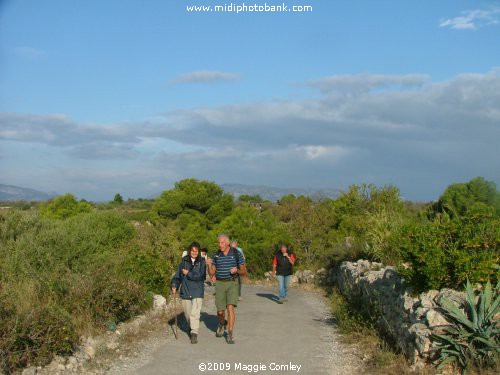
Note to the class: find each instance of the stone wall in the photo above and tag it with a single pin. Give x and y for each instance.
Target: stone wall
(406, 318)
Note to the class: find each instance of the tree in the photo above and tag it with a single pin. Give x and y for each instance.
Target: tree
(191, 194)
(475, 196)
(256, 232)
(63, 207)
(250, 198)
(118, 199)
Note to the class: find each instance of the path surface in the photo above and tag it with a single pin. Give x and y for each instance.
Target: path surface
(296, 337)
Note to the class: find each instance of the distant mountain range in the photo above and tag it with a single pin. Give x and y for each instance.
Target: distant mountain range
(275, 193)
(9, 193)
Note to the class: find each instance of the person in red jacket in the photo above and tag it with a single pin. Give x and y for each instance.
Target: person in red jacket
(283, 263)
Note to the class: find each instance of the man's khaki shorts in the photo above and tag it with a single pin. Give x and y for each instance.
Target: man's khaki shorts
(226, 293)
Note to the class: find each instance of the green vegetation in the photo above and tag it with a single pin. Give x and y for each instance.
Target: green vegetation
(358, 324)
(477, 196)
(446, 252)
(69, 268)
(118, 199)
(63, 207)
(474, 338)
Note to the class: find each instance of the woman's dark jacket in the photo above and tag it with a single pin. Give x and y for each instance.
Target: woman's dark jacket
(192, 284)
(283, 265)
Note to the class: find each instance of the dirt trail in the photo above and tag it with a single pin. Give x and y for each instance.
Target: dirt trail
(297, 337)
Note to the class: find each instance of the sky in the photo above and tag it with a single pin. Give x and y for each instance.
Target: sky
(126, 96)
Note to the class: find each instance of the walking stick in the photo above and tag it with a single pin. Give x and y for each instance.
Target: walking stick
(176, 334)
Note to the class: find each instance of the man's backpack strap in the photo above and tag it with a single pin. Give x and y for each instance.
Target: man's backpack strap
(237, 257)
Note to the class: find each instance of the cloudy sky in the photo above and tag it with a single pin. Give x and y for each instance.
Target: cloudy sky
(99, 97)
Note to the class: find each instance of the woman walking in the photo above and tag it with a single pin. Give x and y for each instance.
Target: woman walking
(190, 281)
(283, 263)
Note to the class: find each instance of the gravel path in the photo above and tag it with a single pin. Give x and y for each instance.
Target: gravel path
(296, 337)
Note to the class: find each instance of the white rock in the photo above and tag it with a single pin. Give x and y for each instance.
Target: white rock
(435, 319)
(72, 360)
(112, 345)
(159, 302)
(29, 371)
(322, 271)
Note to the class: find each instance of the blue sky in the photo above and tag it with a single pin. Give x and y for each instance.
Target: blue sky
(100, 97)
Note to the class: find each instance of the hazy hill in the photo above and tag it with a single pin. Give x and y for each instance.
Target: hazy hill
(275, 193)
(15, 193)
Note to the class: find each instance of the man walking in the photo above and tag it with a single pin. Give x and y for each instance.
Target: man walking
(226, 265)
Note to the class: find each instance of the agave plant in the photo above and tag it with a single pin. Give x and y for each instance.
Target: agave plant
(472, 338)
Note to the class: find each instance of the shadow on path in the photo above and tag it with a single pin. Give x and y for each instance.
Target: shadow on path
(330, 321)
(211, 321)
(182, 324)
(270, 296)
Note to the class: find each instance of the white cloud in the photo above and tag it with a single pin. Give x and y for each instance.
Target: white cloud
(206, 76)
(30, 53)
(472, 19)
(323, 152)
(420, 133)
(103, 151)
(362, 83)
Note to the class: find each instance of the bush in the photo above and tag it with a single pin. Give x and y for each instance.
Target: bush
(33, 338)
(477, 196)
(257, 234)
(152, 256)
(61, 279)
(446, 252)
(63, 207)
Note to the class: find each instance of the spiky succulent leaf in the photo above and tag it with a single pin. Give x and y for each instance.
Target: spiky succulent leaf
(475, 340)
(490, 343)
(471, 303)
(488, 293)
(494, 308)
(455, 313)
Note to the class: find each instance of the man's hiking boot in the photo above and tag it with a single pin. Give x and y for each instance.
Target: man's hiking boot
(194, 338)
(220, 329)
(229, 337)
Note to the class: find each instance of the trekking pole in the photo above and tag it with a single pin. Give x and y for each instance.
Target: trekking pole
(176, 334)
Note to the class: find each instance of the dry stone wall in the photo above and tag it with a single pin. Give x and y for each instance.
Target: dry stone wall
(408, 319)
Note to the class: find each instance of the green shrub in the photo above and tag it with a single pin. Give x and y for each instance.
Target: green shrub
(477, 196)
(63, 207)
(152, 256)
(473, 337)
(446, 252)
(258, 234)
(32, 338)
(61, 279)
